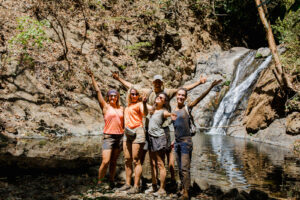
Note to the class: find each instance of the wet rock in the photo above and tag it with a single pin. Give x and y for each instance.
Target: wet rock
(214, 191)
(233, 194)
(66, 152)
(263, 52)
(258, 195)
(293, 123)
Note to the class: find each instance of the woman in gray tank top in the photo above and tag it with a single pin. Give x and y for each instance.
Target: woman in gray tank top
(158, 140)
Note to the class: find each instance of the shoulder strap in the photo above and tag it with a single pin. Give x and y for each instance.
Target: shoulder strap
(188, 110)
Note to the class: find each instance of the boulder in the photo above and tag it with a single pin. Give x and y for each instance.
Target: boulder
(264, 104)
(293, 124)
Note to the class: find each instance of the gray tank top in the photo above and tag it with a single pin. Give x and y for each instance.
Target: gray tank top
(155, 124)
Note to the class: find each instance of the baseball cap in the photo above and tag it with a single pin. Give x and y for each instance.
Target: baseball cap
(158, 77)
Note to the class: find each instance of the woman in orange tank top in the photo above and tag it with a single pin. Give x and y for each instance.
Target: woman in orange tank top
(134, 139)
(113, 131)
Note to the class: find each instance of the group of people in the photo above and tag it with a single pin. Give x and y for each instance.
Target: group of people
(143, 126)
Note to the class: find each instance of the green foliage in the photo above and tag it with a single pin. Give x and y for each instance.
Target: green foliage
(287, 30)
(139, 45)
(258, 55)
(227, 83)
(31, 33)
(122, 67)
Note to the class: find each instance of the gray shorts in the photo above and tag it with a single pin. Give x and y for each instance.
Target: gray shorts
(139, 137)
(157, 143)
(112, 141)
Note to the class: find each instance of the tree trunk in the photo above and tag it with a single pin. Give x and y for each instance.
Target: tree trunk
(281, 76)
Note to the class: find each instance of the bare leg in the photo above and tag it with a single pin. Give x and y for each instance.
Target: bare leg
(171, 162)
(127, 147)
(153, 167)
(106, 154)
(113, 163)
(136, 154)
(160, 157)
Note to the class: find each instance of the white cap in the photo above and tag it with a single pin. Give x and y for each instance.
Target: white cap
(158, 77)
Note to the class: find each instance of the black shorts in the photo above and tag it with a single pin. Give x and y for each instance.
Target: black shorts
(112, 141)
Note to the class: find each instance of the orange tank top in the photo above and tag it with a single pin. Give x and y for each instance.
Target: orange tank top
(114, 121)
(133, 116)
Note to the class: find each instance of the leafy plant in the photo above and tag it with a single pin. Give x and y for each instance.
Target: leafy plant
(139, 45)
(227, 83)
(31, 33)
(287, 31)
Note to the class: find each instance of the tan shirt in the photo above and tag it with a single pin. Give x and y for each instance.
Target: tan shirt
(152, 95)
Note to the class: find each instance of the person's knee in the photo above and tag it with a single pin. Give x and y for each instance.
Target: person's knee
(105, 163)
(136, 161)
(160, 165)
(128, 161)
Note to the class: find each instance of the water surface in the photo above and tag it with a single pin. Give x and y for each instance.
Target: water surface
(237, 163)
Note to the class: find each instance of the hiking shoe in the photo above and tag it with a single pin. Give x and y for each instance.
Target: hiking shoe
(160, 193)
(133, 190)
(152, 189)
(124, 188)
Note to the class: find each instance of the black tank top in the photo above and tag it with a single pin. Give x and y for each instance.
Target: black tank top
(181, 124)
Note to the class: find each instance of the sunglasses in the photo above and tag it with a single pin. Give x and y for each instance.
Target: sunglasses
(161, 97)
(113, 95)
(134, 94)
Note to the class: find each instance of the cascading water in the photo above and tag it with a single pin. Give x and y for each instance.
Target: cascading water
(235, 93)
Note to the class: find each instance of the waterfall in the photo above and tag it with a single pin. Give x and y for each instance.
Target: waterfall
(236, 93)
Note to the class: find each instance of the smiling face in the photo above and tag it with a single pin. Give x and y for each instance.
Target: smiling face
(181, 96)
(160, 100)
(112, 99)
(134, 95)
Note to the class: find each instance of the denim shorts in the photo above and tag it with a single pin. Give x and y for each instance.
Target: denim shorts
(112, 141)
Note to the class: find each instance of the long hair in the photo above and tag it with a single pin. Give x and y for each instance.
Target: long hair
(128, 97)
(118, 97)
(166, 105)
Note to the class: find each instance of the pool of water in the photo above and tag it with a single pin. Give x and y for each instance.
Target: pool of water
(217, 160)
(237, 163)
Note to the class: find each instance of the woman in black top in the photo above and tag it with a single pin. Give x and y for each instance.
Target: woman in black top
(183, 136)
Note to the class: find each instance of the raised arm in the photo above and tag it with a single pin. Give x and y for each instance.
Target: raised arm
(196, 101)
(168, 114)
(191, 86)
(118, 78)
(95, 85)
(144, 106)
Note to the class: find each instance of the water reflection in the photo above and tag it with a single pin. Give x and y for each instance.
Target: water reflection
(236, 163)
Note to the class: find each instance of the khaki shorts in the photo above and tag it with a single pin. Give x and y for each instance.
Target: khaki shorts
(138, 138)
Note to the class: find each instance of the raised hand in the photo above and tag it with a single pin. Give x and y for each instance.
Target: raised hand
(89, 72)
(173, 116)
(202, 79)
(144, 98)
(115, 75)
(216, 82)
